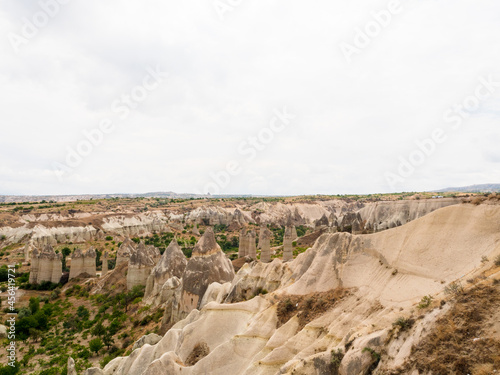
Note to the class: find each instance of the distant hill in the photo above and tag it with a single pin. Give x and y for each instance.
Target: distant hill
(482, 188)
(75, 197)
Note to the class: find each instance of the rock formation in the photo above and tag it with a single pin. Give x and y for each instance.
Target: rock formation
(238, 220)
(141, 262)
(46, 265)
(83, 262)
(251, 337)
(34, 266)
(71, 367)
(207, 264)
(349, 220)
(3, 331)
(126, 249)
(150, 339)
(172, 263)
(356, 227)
(89, 262)
(322, 222)
(169, 298)
(247, 245)
(334, 221)
(104, 263)
(153, 252)
(382, 215)
(251, 245)
(135, 226)
(243, 244)
(265, 241)
(287, 244)
(261, 234)
(28, 249)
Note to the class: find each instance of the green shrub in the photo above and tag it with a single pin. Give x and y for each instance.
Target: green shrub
(146, 320)
(455, 288)
(497, 261)
(336, 358)
(404, 324)
(375, 356)
(260, 290)
(84, 353)
(425, 302)
(9, 370)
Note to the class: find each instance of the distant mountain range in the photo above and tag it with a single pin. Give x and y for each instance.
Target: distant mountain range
(482, 188)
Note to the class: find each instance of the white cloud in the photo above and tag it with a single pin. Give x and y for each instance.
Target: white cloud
(226, 77)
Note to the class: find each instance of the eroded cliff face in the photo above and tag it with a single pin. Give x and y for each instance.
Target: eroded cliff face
(172, 264)
(340, 296)
(46, 265)
(125, 251)
(384, 215)
(142, 260)
(81, 227)
(207, 264)
(83, 262)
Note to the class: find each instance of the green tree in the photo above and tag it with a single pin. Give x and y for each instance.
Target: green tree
(83, 312)
(9, 370)
(95, 345)
(65, 252)
(99, 330)
(108, 339)
(4, 274)
(136, 292)
(34, 305)
(35, 334)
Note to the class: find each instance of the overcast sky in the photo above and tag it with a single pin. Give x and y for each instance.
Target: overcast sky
(355, 105)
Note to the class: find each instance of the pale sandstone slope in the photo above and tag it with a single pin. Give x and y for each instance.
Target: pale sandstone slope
(243, 338)
(385, 214)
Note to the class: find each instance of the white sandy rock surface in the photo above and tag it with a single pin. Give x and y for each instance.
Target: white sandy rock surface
(243, 338)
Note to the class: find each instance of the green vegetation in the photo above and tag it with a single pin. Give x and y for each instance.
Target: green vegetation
(95, 345)
(278, 233)
(9, 370)
(228, 245)
(454, 289)
(299, 250)
(497, 261)
(375, 357)
(425, 302)
(65, 251)
(44, 285)
(53, 327)
(336, 358)
(403, 323)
